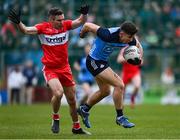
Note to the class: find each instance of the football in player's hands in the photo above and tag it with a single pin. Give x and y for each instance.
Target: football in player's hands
(132, 55)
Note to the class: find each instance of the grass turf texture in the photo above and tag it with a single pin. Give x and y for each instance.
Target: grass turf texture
(33, 122)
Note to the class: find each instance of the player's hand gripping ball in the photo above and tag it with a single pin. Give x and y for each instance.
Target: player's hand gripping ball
(132, 55)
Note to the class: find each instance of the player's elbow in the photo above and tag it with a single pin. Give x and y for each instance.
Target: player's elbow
(85, 26)
(89, 25)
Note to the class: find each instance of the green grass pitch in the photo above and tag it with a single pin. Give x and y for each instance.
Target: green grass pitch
(33, 122)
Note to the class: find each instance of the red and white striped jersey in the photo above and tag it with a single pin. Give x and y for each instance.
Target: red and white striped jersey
(54, 43)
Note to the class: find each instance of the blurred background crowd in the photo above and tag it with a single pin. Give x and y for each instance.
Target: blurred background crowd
(159, 33)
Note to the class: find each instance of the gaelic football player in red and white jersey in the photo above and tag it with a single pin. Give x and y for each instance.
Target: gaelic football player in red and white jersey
(54, 35)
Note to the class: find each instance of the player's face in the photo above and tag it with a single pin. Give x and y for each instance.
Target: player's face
(58, 20)
(125, 38)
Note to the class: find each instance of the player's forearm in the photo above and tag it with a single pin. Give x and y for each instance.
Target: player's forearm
(22, 27)
(138, 44)
(83, 18)
(79, 21)
(140, 48)
(120, 58)
(141, 51)
(26, 30)
(89, 27)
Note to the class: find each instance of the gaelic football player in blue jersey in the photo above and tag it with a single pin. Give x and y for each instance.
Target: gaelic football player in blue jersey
(107, 40)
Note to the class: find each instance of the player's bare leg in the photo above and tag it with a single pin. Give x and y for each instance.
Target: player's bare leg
(104, 90)
(104, 80)
(70, 96)
(110, 77)
(92, 100)
(133, 96)
(118, 97)
(118, 84)
(137, 83)
(57, 91)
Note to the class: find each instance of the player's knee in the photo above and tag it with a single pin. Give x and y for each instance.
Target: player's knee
(58, 93)
(120, 86)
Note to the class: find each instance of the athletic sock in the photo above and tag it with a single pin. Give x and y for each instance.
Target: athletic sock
(76, 125)
(119, 112)
(133, 99)
(55, 116)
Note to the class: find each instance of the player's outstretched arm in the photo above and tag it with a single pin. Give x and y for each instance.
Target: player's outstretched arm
(15, 17)
(89, 27)
(84, 9)
(27, 30)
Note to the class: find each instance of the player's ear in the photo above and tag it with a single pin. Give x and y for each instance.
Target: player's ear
(51, 18)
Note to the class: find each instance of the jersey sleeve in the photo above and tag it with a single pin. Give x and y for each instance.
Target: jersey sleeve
(104, 34)
(39, 27)
(68, 24)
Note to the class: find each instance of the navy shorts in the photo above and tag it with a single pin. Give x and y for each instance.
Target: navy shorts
(95, 66)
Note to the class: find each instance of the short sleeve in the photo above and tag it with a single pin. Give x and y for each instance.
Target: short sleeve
(68, 24)
(39, 27)
(104, 34)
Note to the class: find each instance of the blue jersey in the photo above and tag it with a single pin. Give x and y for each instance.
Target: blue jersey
(106, 42)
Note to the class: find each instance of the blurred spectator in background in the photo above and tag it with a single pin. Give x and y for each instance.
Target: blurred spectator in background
(15, 85)
(147, 15)
(30, 75)
(175, 13)
(8, 34)
(131, 74)
(152, 38)
(85, 78)
(177, 31)
(168, 81)
(177, 37)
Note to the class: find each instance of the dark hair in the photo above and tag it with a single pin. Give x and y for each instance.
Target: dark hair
(129, 28)
(54, 12)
